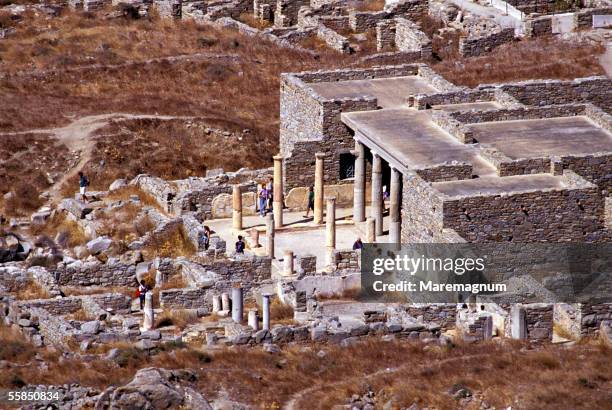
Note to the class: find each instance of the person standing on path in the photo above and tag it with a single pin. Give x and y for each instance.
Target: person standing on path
(83, 184)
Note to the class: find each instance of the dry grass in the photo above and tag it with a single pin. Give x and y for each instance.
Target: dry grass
(370, 5)
(281, 313)
(172, 244)
(175, 281)
(71, 231)
(32, 290)
(249, 19)
(27, 161)
(527, 59)
(500, 374)
(96, 290)
(179, 318)
(80, 315)
(126, 192)
(13, 347)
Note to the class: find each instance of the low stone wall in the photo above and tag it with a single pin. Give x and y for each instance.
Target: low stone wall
(187, 298)
(286, 12)
(408, 38)
(473, 46)
(307, 264)
(539, 318)
(168, 8)
(61, 306)
(583, 19)
(347, 261)
(297, 198)
(334, 40)
(443, 314)
(452, 171)
(13, 278)
(385, 35)
(538, 26)
(592, 315)
(246, 270)
(361, 21)
(95, 273)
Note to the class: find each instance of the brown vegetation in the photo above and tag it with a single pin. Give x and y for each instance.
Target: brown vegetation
(179, 318)
(27, 163)
(171, 244)
(370, 5)
(528, 59)
(58, 224)
(500, 374)
(280, 312)
(32, 290)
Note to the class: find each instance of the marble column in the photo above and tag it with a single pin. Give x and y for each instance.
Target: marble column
(237, 306)
(395, 204)
(288, 262)
(330, 230)
(216, 303)
(237, 207)
(359, 187)
(277, 204)
(225, 303)
(319, 188)
(270, 235)
(370, 230)
(265, 311)
(377, 201)
(149, 314)
(253, 320)
(255, 238)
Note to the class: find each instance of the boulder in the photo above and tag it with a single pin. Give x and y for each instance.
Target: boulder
(92, 327)
(77, 208)
(154, 388)
(117, 184)
(98, 245)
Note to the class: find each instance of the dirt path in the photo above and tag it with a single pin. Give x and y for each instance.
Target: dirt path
(77, 136)
(606, 59)
(295, 399)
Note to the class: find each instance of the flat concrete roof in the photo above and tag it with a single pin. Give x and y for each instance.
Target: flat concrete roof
(493, 185)
(484, 105)
(544, 137)
(391, 92)
(413, 140)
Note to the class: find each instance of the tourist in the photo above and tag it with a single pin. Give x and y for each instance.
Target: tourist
(270, 191)
(206, 239)
(83, 184)
(311, 201)
(240, 245)
(358, 244)
(263, 200)
(142, 293)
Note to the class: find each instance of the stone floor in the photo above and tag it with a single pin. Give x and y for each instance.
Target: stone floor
(299, 235)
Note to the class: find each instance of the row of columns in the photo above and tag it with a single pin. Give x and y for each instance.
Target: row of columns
(374, 224)
(222, 304)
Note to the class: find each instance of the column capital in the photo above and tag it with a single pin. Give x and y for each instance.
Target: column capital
(320, 155)
(277, 157)
(374, 153)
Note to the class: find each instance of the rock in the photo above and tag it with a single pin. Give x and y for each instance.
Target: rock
(154, 388)
(112, 353)
(271, 348)
(605, 333)
(151, 334)
(81, 252)
(261, 335)
(24, 323)
(321, 354)
(349, 341)
(98, 245)
(281, 334)
(85, 344)
(117, 184)
(92, 327)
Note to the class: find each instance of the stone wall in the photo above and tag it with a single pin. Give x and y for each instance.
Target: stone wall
(310, 123)
(443, 314)
(538, 26)
(594, 90)
(61, 306)
(346, 261)
(13, 278)
(451, 171)
(95, 273)
(385, 35)
(188, 298)
(361, 21)
(591, 316)
(408, 37)
(421, 211)
(246, 270)
(168, 8)
(334, 40)
(552, 215)
(476, 45)
(286, 12)
(539, 318)
(583, 19)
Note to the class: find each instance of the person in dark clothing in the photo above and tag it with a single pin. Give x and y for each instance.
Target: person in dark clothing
(207, 234)
(83, 184)
(311, 197)
(358, 244)
(142, 293)
(240, 245)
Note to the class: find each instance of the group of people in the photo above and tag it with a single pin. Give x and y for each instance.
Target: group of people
(265, 196)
